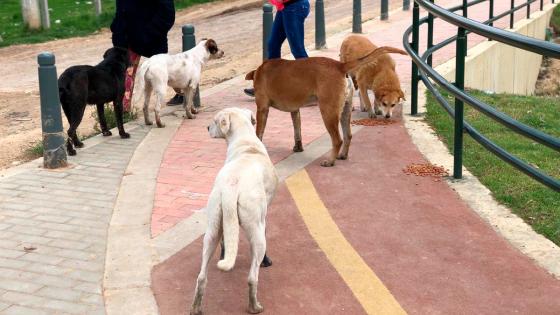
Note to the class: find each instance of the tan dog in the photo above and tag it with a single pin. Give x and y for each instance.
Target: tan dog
(380, 77)
(288, 85)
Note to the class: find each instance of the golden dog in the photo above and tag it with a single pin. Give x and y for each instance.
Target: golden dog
(380, 77)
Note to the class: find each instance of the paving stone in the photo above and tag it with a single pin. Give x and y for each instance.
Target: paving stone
(21, 310)
(73, 245)
(87, 276)
(20, 221)
(55, 281)
(8, 186)
(68, 307)
(8, 243)
(65, 235)
(12, 263)
(10, 253)
(4, 226)
(23, 299)
(43, 268)
(42, 258)
(19, 286)
(83, 265)
(60, 294)
(53, 218)
(3, 305)
(16, 213)
(93, 288)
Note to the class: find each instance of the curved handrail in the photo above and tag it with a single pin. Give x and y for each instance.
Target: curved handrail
(516, 40)
(520, 41)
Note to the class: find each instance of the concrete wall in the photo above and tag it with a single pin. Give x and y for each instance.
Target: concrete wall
(493, 66)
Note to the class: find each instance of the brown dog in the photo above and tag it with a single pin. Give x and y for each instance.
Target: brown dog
(380, 77)
(288, 85)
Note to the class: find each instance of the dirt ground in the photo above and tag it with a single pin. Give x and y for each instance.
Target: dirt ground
(235, 25)
(548, 83)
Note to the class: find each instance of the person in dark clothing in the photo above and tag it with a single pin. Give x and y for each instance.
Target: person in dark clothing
(141, 26)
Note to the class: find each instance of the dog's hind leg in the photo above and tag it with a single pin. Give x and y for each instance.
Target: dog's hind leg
(160, 95)
(296, 121)
(188, 102)
(117, 104)
(211, 238)
(331, 121)
(77, 116)
(345, 119)
(102, 121)
(263, 105)
(145, 109)
(257, 239)
(266, 261)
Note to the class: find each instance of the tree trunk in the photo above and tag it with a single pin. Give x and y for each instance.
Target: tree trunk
(31, 14)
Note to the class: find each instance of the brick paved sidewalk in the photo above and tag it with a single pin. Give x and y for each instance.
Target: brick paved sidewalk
(53, 230)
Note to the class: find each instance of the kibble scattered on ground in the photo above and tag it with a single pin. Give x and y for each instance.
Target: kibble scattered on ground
(426, 170)
(373, 122)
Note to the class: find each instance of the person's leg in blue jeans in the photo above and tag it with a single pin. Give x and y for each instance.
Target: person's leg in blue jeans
(294, 18)
(288, 23)
(277, 36)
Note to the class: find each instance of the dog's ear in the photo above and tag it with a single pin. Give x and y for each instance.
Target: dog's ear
(401, 95)
(211, 46)
(224, 123)
(250, 76)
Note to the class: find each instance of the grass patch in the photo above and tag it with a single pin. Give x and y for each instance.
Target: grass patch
(555, 18)
(110, 117)
(76, 18)
(35, 150)
(538, 205)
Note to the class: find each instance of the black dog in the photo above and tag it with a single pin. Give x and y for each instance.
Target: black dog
(82, 85)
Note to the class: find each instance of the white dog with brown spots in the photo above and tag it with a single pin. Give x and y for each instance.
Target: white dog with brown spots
(242, 192)
(181, 71)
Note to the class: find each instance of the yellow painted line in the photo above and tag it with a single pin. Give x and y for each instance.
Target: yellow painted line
(374, 297)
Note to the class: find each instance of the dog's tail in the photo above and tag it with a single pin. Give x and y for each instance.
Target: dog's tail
(230, 224)
(139, 87)
(370, 57)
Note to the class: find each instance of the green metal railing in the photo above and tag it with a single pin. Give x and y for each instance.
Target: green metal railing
(422, 71)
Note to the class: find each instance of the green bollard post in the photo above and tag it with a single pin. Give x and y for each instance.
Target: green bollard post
(357, 16)
(320, 37)
(267, 28)
(54, 153)
(406, 5)
(430, 34)
(189, 41)
(460, 54)
(511, 15)
(528, 9)
(384, 10)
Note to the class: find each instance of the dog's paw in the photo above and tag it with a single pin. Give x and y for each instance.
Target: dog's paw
(298, 147)
(371, 115)
(125, 135)
(72, 152)
(194, 111)
(195, 312)
(160, 125)
(255, 309)
(78, 144)
(378, 112)
(342, 156)
(148, 123)
(107, 133)
(266, 262)
(327, 163)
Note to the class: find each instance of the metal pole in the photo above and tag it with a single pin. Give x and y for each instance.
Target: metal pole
(460, 83)
(528, 9)
(357, 16)
(491, 12)
(414, 45)
(189, 41)
(541, 7)
(267, 28)
(54, 153)
(465, 12)
(384, 10)
(511, 16)
(430, 34)
(45, 18)
(406, 5)
(320, 37)
(97, 7)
